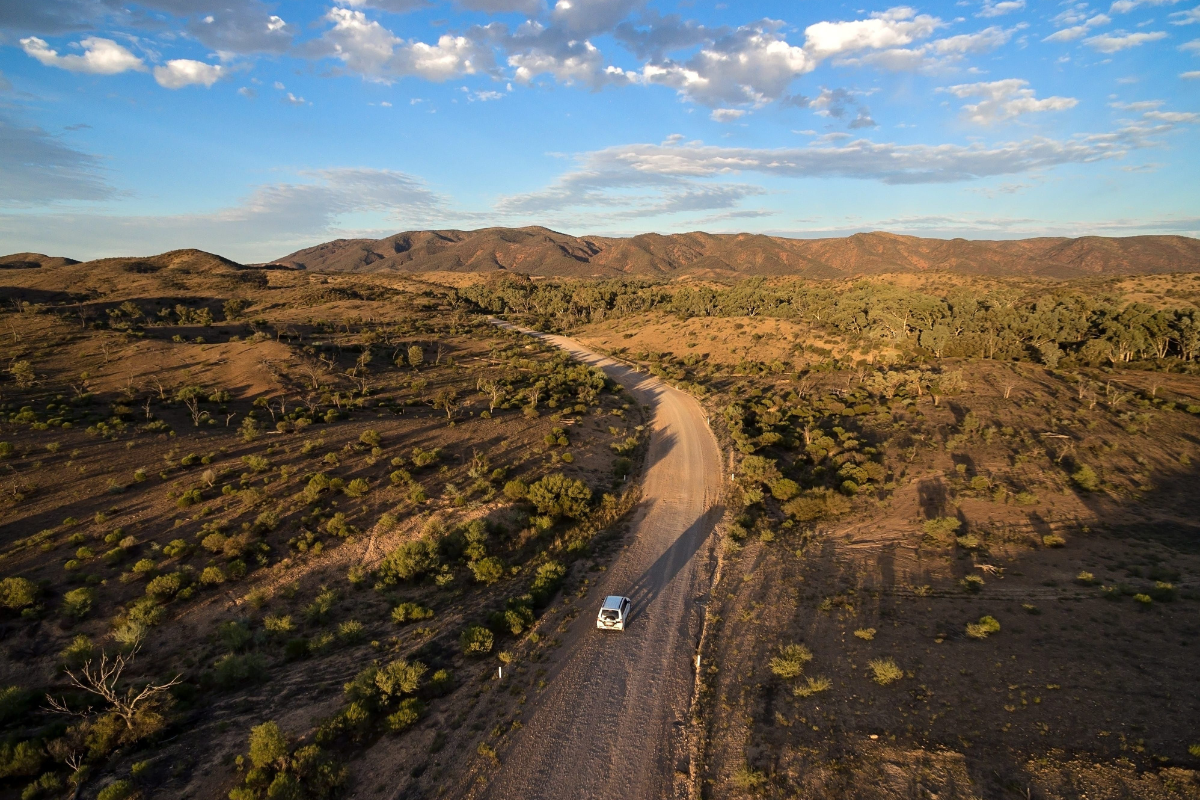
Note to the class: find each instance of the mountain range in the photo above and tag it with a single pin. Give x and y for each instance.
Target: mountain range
(543, 252)
(540, 251)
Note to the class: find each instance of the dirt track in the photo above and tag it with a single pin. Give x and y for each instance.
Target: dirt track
(610, 722)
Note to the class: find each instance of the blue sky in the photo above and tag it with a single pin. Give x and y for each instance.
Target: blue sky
(252, 128)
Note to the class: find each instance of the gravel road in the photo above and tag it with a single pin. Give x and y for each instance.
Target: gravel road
(609, 724)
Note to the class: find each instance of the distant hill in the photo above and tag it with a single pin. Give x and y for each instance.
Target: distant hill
(540, 251)
(33, 261)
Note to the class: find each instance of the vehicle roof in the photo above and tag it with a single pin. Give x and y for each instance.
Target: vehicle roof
(613, 601)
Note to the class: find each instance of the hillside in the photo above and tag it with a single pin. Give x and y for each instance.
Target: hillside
(540, 251)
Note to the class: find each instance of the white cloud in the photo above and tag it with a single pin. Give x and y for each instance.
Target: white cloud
(1190, 76)
(180, 72)
(293, 100)
(727, 114)
(1189, 17)
(373, 51)
(1114, 42)
(895, 27)
(640, 180)
(247, 93)
(1078, 31)
(1125, 6)
(273, 220)
(753, 65)
(1004, 100)
(837, 103)
(1191, 47)
(991, 9)
(527, 7)
(575, 63)
(100, 56)
(935, 55)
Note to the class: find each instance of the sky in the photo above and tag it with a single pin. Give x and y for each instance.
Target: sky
(253, 128)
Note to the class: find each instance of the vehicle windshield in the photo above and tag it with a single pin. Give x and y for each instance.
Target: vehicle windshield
(609, 615)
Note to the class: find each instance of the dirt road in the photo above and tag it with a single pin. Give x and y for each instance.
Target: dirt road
(609, 724)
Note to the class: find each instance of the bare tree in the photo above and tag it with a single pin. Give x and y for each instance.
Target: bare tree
(103, 681)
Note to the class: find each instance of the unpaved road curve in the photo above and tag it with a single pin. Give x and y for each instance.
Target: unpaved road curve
(609, 724)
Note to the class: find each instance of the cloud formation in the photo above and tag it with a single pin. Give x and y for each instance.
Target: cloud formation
(367, 48)
(273, 220)
(1005, 100)
(37, 168)
(1115, 42)
(180, 72)
(100, 56)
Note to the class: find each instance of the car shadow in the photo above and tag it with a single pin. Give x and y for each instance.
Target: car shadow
(660, 574)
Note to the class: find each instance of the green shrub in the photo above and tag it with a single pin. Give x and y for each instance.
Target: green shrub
(77, 603)
(984, 628)
(351, 630)
(559, 496)
(257, 463)
(189, 498)
(268, 747)
(78, 652)
(357, 488)
(423, 458)
(276, 623)
(406, 715)
(547, 579)
(816, 504)
(790, 662)
(813, 686)
(410, 560)
(1164, 592)
(866, 634)
(177, 548)
(784, 489)
(21, 758)
(516, 489)
(1053, 540)
(166, 586)
(370, 438)
(971, 583)
(410, 612)
(1086, 479)
(476, 641)
(17, 593)
(14, 702)
(232, 670)
(885, 671)
(212, 576)
(488, 570)
(941, 528)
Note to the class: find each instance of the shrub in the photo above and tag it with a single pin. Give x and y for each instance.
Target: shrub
(406, 715)
(370, 438)
(322, 604)
(410, 560)
(546, 581)
(816, 504)
(14, 701)
(78, 652)
(410, 612)
(21, 758)
(1085, 478)
(784, 489)
(748, 779)
(476, 641)
(1053, 540)
(971, 583)
(866, 634)
(236, 670)
(790, 662)
(759, 469)
(559, 496)
(276, 623)
(357, 488)
(813, 686)
(423, 458)
(166, 586)
(177, 548)
(516, 489)
(189, 498)
(1144, 599)
(885, 671)
(212, 576)
(77, 603)
(17, 593)
(984, 628)
(1164, 591)
(257, 463)
(268, 747)
(351, 630)
(941, 528)
(1085, 578)
(488, 570)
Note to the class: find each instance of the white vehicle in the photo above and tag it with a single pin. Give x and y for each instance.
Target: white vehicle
(613, 613)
